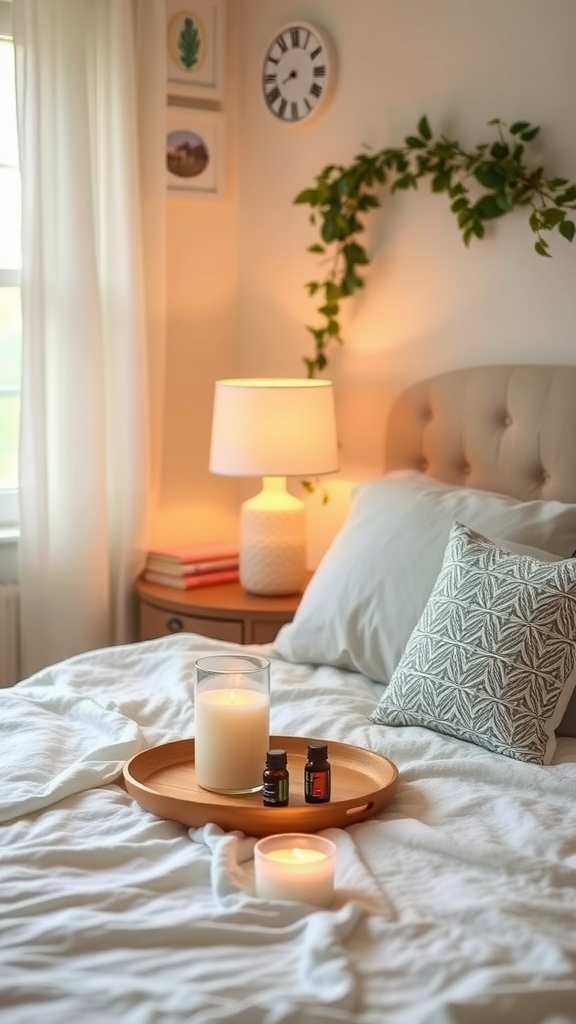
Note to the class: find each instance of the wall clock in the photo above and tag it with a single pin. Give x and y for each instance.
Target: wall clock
(297, 72)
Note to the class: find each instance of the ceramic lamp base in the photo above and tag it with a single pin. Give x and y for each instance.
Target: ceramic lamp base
(273, 541)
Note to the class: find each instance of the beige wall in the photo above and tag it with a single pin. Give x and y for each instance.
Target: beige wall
(236, 297)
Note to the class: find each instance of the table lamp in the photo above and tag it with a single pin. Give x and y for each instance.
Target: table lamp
(273, 427)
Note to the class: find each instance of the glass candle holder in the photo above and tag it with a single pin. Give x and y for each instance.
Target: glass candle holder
(295, 866)
(232, 722)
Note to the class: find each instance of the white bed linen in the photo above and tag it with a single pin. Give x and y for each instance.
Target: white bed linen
(456, 906)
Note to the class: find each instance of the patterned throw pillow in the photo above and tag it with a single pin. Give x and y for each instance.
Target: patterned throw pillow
(492, 659)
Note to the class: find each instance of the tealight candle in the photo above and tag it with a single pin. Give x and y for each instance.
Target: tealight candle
(232, 712)
(295, 866)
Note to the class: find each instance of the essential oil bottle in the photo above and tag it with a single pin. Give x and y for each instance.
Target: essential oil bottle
(317, 774)
(275, 779)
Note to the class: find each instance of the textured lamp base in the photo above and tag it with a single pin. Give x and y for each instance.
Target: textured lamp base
(273, 541)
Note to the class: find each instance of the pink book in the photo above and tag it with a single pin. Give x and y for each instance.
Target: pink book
(201, 552)
(156, 564)
(191, 582)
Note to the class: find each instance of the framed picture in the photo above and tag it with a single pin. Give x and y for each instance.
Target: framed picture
(195, 151)
(195, 48)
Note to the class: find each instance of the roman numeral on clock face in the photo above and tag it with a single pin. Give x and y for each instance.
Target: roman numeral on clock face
(316, 89)
(319, 71)
(295, 36)
(316, 52)
(282, 44)
(294, 111)
(273, 95)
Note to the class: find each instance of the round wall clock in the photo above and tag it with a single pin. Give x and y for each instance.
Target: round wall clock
(297, 72)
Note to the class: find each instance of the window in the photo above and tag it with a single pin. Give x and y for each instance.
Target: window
(10, 271)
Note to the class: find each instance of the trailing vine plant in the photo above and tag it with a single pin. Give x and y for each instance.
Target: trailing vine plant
(342, 195)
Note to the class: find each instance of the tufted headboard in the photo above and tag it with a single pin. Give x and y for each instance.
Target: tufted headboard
(510, 429)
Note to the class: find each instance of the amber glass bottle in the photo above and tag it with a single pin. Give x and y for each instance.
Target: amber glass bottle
(317, 774)
(275, 779)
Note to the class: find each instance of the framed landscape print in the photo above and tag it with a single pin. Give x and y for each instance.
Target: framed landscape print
(195, 48)
(195, 151)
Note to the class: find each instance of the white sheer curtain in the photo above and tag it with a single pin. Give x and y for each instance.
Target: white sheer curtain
(91, 93)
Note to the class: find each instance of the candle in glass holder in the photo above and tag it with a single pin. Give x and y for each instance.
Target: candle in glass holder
(232, 714)
(295, 866)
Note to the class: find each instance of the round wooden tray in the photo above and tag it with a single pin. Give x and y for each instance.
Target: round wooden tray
(162, 780)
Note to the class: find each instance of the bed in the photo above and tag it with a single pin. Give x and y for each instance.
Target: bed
(456, 904)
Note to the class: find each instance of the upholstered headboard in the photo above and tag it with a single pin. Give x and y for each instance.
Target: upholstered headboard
(510, 429)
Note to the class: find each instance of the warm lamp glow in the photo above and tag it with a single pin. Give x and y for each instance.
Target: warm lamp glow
(273, 427)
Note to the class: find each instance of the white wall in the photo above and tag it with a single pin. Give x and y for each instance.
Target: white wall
(430, 304)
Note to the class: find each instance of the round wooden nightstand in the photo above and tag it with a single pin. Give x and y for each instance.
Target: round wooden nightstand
(224, 612)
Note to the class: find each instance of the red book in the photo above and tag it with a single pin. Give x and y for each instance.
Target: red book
(189, 582)
(188, 554)
(156, 564)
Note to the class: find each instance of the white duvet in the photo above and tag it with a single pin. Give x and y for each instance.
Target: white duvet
(456, 906)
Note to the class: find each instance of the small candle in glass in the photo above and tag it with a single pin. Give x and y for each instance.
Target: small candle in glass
(295, 866)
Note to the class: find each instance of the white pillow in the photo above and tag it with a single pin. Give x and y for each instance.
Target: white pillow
(373, 583)
(492, 659)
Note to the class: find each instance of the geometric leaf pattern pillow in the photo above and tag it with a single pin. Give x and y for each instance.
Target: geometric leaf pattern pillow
(492, 658)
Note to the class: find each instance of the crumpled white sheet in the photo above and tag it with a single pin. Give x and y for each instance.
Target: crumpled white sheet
(456, 906)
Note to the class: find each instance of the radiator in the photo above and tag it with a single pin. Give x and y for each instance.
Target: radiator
(9, 634)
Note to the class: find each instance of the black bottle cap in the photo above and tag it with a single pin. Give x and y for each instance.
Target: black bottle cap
(276, 759)
(317, 751)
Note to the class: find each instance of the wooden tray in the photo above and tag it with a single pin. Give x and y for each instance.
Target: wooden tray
(162, 780)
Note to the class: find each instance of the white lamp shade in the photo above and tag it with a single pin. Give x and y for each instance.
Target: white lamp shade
(273, 426)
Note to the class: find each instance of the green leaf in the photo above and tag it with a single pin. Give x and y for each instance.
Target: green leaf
(413, 142)
(316, 248)
(351, 282)
(541, 248)
(551, 217)
(424, 128)
(529, 135)
(478, 228)
(368, 201)
(312, 287)
(505, 201)
(489, 175)
(567, 229)
(569, 196)
(332, 291)
(402, 183)
(487, 208)
(440, 182)
(519, 126)
(333, 328)
(308, 195)
(459, 204)
(499, 151)
(354, 253)
(535, 220)
(329, 229)
(330, 309)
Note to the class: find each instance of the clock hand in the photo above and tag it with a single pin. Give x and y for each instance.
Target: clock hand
(293, 74)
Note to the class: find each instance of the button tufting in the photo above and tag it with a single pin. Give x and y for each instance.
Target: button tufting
(423, 465)
(466, 469)
(545, 477)
(427, 414)
(507, 420)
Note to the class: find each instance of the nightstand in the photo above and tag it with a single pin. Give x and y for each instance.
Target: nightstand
(223, 612)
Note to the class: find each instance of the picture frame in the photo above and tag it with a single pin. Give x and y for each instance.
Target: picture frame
(195, 151)
(195, 48)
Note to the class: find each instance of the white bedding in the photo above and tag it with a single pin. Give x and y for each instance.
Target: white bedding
(456, 906)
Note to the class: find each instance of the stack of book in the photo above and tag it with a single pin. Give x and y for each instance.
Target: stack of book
(192, 565)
